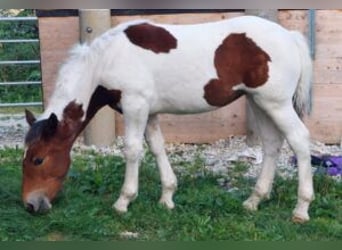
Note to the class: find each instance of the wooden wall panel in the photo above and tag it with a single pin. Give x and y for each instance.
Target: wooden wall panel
(328, 63)
(325, 122)
(181, 18)
(57, 35)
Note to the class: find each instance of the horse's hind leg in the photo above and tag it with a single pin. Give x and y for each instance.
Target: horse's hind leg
(272, 140)
(135, 112)
(297, 135)
(155, 140)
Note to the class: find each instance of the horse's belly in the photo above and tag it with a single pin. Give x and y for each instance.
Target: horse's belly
(181, 98)
(181, 105)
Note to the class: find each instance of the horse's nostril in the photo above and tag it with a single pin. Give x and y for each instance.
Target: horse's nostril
(37, 205)
(29, 208)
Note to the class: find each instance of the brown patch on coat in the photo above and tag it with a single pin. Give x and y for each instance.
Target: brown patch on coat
(237, 60)
(151, 37)
(73, 111)
(102, 97)
(71, 122)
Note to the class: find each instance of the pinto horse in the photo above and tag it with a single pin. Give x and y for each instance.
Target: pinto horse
(141, 69)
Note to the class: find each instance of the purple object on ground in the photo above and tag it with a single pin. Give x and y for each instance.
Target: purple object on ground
(337, 160)
(333, 171)
(335, 165)
(332, 164)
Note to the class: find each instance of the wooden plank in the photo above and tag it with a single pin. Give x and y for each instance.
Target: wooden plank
(325, 122)
(329, 51)
(294, 20)
(328, 70)
(328, 61)
(328, 26)
(57, 36)
(181, 18)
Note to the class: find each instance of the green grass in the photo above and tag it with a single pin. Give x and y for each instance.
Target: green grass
(204, 210)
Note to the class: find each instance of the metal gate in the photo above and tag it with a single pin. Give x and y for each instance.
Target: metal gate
(14, 63)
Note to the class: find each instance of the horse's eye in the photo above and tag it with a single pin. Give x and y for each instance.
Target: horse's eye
(38, 161)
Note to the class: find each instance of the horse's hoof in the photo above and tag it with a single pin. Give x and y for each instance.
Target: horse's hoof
(250, 205)
(300, 219)
(119, 208)
(169, 204)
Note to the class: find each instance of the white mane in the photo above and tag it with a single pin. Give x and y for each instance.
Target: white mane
(74, 81)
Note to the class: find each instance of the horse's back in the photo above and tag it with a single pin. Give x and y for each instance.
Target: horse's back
(173, 64)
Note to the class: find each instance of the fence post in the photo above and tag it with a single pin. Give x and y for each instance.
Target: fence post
(251, 126)
(101, 130)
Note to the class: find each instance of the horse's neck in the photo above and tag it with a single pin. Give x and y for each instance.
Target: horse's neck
(61, 99)
(76, 83)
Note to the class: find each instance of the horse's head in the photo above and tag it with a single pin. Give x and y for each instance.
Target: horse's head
(47, 156)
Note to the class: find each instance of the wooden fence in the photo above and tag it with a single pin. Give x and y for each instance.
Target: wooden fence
(58, 34)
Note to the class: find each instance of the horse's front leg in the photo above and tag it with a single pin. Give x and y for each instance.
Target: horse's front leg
(155, 140)
(135, 118)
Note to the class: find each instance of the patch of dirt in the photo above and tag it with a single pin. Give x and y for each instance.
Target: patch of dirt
(12, 130)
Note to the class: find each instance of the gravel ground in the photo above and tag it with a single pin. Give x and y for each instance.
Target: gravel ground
(12, 130)
(218, 157)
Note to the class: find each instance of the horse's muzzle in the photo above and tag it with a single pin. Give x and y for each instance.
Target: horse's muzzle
(37, 204)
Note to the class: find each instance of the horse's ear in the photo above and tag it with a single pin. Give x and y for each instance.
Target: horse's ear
(50, 126)
(29, 117)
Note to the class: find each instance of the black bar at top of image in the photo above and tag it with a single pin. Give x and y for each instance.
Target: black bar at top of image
(57, 13)
(130, 12)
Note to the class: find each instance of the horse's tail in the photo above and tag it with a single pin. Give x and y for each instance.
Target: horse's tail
(302, 99)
